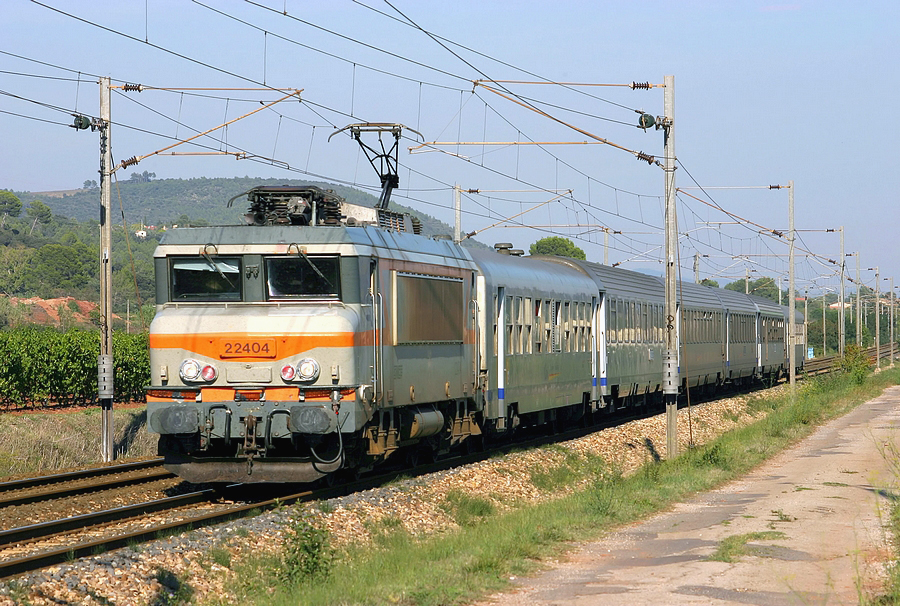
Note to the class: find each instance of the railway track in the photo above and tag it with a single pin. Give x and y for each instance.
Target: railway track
(33, 538)
(83, 481)
(824, 365)
(183, 506)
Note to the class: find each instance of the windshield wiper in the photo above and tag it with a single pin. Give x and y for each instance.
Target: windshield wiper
(311, 264)
(212, 264)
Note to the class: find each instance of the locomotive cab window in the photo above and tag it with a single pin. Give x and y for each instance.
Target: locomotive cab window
(303, 277)
(206, 279)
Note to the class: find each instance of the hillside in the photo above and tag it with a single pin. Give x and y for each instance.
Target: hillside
(167, 201)
(49, 240)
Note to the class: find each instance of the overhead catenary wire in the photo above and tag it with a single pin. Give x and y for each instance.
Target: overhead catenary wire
(486, 56)
(576, 199)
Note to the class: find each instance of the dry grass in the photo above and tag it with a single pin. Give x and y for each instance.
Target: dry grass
(45, 442)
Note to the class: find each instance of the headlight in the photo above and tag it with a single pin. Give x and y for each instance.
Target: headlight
(194, 371)
(307, 369)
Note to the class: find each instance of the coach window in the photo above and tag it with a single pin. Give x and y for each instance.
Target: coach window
(302, 277)
(207, 278)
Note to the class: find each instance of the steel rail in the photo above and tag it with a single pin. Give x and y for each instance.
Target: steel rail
(11, 500)
(16, 566)
(78, 474)
(45, 530)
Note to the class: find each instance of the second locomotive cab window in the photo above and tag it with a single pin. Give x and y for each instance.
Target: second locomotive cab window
(303, 277)
(206, 278)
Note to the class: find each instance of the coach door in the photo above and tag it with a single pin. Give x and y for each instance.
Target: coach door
(599, 388)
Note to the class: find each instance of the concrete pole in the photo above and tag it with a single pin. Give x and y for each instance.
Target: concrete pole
(105, 360)
(457, 232)
(842, 323)
(892, 321)
(877, 322)
(806, 315)
(792, 303)
(670, 366)
(747, 282)
(824, 342)
(858, 306)
(606, 246)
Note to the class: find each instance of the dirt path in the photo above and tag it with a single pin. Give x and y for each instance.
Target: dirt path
(828, 498)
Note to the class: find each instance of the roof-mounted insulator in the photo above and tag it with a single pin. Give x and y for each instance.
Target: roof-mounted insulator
(134, 88)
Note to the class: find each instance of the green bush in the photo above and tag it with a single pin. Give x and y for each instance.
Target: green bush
(307, 552)
(855, 364)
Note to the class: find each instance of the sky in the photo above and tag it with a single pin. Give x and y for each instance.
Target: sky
(764, 94)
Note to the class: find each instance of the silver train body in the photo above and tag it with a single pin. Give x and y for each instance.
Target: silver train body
(330, 336)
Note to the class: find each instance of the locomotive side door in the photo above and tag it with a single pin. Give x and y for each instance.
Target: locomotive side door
(373, 320)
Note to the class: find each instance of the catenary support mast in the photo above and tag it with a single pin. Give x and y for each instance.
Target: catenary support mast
(105, 360)
(670, 365)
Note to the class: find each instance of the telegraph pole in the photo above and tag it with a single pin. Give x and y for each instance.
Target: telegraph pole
(105, 360)
(670, 366)
(792, 303)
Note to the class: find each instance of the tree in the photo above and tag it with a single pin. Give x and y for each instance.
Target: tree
(39, 212)
(708, 282)
(90, 184)
(143, 177)
(554, 245)
(763, 287)
(10, 204)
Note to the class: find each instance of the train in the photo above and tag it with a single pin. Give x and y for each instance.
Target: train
(325, 337)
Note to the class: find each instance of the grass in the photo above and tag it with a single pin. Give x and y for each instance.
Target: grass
(39, 442)
(467, 510)
(735, 546)
(492, 546)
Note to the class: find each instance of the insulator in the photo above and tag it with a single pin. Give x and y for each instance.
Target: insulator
(646, 157)
(130, 162)
(646, 121)
(640, 85)
(132, 88)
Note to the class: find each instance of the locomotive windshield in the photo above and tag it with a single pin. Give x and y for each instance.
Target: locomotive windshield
(303, 277)
(206, 279)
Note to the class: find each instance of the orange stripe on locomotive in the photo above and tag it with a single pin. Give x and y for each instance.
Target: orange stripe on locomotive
(239, 347)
